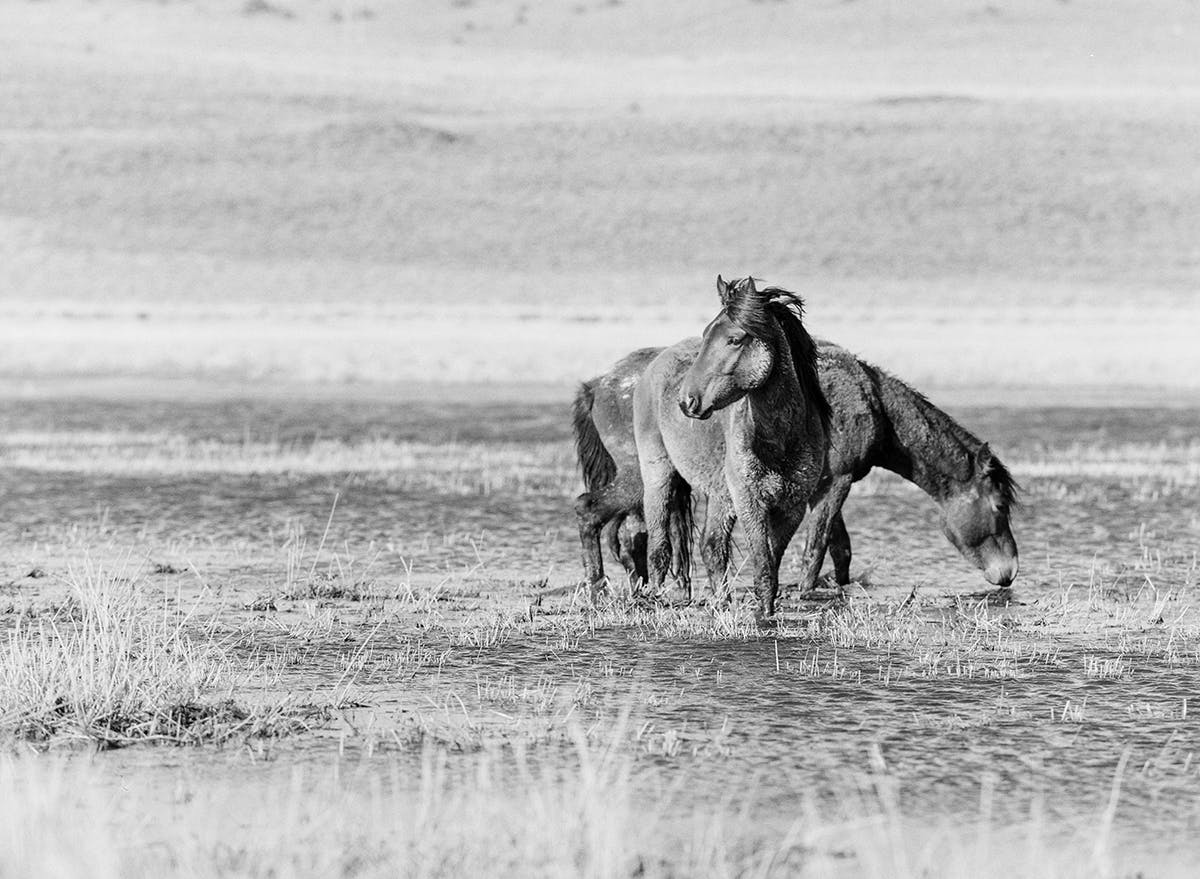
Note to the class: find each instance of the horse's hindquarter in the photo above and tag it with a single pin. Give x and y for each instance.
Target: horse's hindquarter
(612, 409)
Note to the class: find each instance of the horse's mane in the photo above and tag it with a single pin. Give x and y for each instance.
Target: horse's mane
(999, 478)
(1007, 488)
(753, 314)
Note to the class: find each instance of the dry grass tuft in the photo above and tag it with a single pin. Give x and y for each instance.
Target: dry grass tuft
(112, 669)
(501, 813)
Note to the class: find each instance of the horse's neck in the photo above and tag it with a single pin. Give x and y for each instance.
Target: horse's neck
(927, 447)
(778, 417)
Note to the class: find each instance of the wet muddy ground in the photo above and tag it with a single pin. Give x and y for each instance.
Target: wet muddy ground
(382, 558)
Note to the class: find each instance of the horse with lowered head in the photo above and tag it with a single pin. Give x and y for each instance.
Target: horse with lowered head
(879, 421)
(740, 416)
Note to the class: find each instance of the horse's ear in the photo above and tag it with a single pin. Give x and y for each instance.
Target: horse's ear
(724, 291)
(983, 460)
(748, 286)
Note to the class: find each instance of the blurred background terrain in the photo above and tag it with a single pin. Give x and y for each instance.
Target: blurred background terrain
(999, 194)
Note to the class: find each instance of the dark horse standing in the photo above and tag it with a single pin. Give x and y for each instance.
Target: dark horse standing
(878, 421)
(760, 458)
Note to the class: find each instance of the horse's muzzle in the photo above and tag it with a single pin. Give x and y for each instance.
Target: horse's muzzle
(1002, 572)
(691, 407)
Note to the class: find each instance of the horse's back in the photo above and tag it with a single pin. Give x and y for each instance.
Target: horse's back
(612, 406)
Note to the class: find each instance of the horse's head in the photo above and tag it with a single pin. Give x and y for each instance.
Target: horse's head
(975, 518)
(737, 351)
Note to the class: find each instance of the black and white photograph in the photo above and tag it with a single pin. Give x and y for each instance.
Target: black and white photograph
(617, 439)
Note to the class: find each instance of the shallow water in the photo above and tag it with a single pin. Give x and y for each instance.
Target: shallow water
(1069, 525)
(1031, 703)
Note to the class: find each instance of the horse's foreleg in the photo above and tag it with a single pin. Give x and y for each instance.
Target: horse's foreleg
(658, 480)
(783, 528)
(757, 525)
(783, 524)
(839, 550)
(714, 545)
(820, 524)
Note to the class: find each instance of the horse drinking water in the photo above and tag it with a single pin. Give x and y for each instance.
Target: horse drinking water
(739, 415)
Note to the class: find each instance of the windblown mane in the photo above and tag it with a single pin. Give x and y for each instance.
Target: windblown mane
(754, 313)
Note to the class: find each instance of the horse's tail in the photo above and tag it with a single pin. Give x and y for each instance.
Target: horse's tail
(681, 529)
(595, 462)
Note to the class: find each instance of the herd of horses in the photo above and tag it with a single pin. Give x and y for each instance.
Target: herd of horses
(771, 428)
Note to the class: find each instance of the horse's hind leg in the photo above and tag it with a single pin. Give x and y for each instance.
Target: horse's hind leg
(594, 510)
(631, 540)
(610, 537)
(839, 550)
(589, 539)
(625, 537)
(680, 530)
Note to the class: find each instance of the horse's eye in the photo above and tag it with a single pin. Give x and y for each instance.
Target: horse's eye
(736, 340)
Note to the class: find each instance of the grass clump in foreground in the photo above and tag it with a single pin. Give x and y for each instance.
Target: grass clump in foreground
(595, 813)
(110, 668)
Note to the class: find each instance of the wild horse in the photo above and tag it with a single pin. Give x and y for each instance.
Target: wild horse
(759, 460)
(877, 421)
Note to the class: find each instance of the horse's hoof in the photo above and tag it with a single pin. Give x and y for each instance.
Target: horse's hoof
(642, 601)
(713, 600)
(675, 598)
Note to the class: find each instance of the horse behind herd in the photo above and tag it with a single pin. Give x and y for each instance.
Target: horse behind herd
(772, 427)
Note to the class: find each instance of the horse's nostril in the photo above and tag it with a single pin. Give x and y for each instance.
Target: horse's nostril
(689, 404)
(1004, 576)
